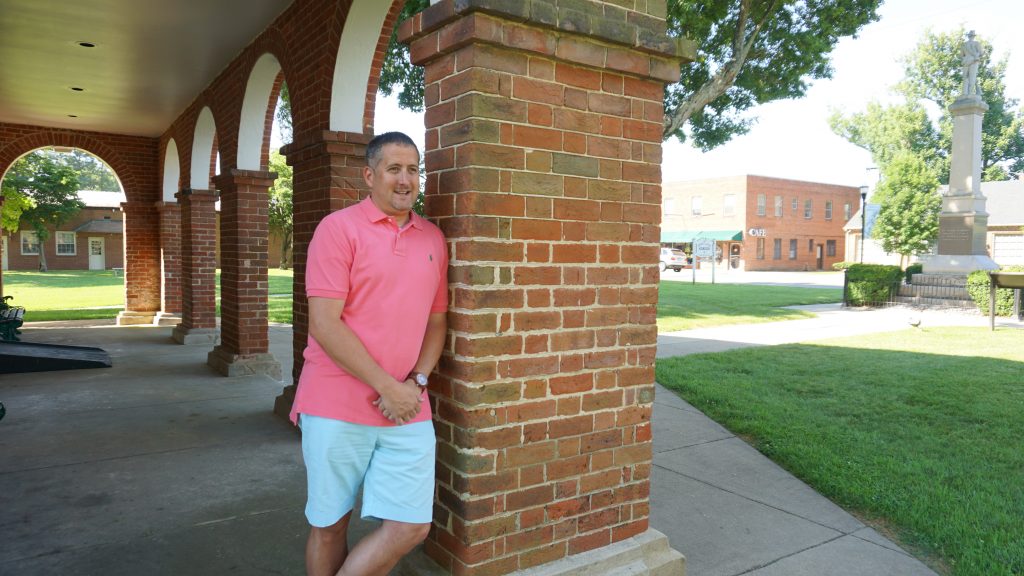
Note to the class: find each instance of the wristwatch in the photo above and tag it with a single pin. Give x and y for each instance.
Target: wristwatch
(419, 378)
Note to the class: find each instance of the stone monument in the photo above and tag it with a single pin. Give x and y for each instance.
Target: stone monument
(963, 222)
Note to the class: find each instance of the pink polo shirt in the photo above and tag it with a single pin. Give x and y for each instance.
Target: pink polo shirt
(391, 280)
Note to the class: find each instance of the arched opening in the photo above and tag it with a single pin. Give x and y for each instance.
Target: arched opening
(258, 92)
(172, 171)
(202, 149)
(352, 68)
(62, 214)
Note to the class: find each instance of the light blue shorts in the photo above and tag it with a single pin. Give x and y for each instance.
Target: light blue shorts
(393, 464)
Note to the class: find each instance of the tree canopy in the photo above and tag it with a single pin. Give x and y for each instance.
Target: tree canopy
(748, 53)
(908, 221)
(280, 207)
(44, 193)
(933, 76)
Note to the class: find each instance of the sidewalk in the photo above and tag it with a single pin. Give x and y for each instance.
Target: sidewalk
(730, 510)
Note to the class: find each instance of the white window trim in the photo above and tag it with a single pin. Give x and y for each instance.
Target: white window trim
(21, 242)
(74, 244)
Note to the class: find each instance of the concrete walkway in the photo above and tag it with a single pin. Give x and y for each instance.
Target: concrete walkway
(159, 466)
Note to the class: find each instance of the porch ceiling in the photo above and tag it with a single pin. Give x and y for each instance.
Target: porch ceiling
(151, 58)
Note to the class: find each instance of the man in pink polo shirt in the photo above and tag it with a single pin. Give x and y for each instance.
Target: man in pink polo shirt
(376, 280)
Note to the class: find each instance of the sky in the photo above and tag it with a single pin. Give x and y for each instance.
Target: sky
(791, 139)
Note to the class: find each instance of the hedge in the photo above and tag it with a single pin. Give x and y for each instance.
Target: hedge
(978, 288)
(871, 284)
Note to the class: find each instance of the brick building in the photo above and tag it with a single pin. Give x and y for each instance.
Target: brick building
(761, 223)
(92, 240)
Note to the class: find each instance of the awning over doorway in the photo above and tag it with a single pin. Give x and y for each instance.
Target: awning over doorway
(687, 236)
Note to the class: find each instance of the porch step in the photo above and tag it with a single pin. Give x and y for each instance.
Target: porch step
(937, 303)
(939, 280)
(933, 291)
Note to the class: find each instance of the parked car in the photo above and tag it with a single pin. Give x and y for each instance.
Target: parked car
(673, 258)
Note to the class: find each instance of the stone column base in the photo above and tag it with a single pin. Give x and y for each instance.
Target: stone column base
(167, 319)
(189, 336)
(129, 318)
(957, 264)
(646, 554)
(229, 364)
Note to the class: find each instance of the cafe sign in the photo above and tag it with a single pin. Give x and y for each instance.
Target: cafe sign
(757, 232)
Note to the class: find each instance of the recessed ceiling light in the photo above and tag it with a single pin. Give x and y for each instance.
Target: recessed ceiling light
(72, 115)
(87, 44)
(78, 89)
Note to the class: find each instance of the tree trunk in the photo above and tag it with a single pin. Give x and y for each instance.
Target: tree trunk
(286, 246)
(42, 258)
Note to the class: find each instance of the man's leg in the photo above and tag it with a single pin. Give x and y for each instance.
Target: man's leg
(379, 552)
(327, 548)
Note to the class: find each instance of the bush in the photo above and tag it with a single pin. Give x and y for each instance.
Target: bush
(978, 288)
(871, 284)
(911, 270)
(842, 265)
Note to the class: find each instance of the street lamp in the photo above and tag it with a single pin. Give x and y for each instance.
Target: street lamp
(863, 219)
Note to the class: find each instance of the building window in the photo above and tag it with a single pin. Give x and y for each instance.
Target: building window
(846, 212)
(810, 246)
(808, 209)
(792, 249)
(695, 204)
(778, 206)
(828, 209)
(760, 248)
(762, 201)
(830, 247)
(777, 249)
(796, 206)
(29, 243)
(66, 244)
(729, 205)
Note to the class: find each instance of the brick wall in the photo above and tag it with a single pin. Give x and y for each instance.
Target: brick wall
(80, 259)
(543, 160)
(809, 233)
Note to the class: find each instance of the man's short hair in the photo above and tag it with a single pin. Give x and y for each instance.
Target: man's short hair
(381, 140)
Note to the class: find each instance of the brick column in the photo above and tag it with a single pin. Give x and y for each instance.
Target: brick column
(543, 157)
(141, 263)
(198, 268)
(244, 337)
(327, 176)
(170, 258)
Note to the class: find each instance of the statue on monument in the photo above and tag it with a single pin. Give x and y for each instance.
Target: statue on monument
(971, 52)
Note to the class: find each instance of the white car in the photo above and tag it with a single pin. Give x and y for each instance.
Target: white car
(673, 258)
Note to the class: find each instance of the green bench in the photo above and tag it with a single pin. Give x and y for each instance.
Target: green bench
(11, 318)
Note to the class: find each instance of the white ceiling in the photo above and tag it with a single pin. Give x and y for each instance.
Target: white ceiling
(152, 58)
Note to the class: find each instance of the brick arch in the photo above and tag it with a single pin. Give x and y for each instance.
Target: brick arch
(94, 145)
(204, 142)
(368, 25)
(261, 90)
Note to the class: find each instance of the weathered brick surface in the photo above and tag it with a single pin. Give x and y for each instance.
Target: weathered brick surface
(544, 173)
(170, 256)
(198, 264)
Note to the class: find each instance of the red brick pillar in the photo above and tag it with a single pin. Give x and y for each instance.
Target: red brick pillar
(141, 263)
(198, 268)
(244, 232)
(327, 176)
(543, 158)
(170, 258)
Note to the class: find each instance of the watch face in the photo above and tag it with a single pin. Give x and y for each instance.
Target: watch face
(421, 379)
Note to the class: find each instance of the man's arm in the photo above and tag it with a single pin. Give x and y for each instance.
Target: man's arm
(433, 342)
(399, 400)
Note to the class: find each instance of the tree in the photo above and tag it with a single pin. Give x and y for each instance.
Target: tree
(283, 113)
(908, 221)
(280, 214)
(49, 188)
(749, 52)
(933, 78)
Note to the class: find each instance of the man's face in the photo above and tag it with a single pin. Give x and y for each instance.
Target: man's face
(395, 180)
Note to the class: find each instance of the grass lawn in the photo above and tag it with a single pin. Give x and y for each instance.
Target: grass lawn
(67, 295)
(682, 306)
(96, 294)
(925, 444)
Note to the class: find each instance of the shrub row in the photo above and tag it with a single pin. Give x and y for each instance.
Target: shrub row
(871, 284)
(978, 288)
